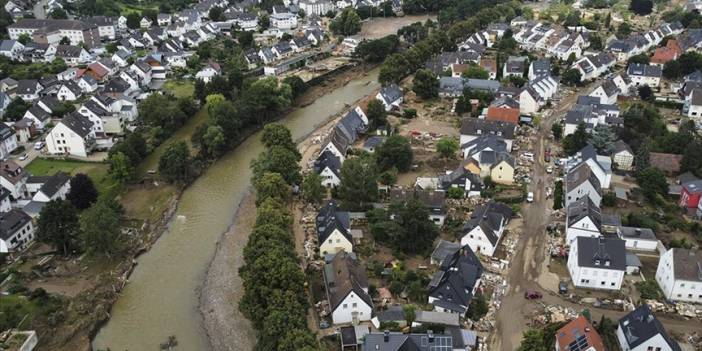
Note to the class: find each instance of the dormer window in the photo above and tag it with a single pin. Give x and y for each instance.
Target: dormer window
(597, 262)
(606, 263)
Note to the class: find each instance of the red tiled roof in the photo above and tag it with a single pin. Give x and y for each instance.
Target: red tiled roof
(489, 64)
(575, 329)
(505, 114)
(665, 162)
(663, 55)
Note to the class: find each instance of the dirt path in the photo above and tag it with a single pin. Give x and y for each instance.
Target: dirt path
(227, 329)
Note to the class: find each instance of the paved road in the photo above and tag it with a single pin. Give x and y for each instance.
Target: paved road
(529, 264)
(38, 9)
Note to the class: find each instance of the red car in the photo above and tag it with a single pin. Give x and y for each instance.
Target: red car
(547, 155)
(532, 295)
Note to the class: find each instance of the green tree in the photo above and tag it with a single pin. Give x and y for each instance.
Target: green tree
(639, 59)
(533, 340)
(133, 20)
(58, 226)
(475, 71)
(83, 193)
(410, 312)
(264, 98)
(571, 77)
(298, 340)
(346, 23)
(15, 110)
(623, 30)
(478, 307)
(447, 147)
(603, 138)
(394, 152)
(641, 158)
(641, 7)
(264, 22)
(557, 131)
(358, 185)
(213, 142)
(558, 195)
(215, 14)
(417, 232)
(100, 229)
(377, 116)
(572, 143)
(425, 84)
(271, 185)
(281, 160)
(58, 13)
(645, 93)
(276, 134)
(297, 84)
(174, 164)
(652, 182)
(312, 188)
(121, 167)
(24, 38)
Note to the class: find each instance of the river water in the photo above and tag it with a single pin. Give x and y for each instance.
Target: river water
(161, 297)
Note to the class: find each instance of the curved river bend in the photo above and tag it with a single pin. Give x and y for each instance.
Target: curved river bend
(161, 297)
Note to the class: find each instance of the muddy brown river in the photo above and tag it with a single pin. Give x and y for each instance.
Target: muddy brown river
(161, 298)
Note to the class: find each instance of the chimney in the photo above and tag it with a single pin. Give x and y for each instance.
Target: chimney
(638, 231)
(386, 336)
(430, 335)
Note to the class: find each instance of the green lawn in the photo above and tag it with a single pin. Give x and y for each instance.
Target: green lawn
(179, 88)
(128, 8)
(96, 171)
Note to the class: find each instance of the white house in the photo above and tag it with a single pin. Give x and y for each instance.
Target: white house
(482, 233)
(583, 219)
(607, 92)
(69, 91)
(73, 135)
(145, 23)
(11, 49)
(328, 166)
(593, 66)
(537, 93)
(641, 74)
(679, 275)
(13, 179)
(8, 140)
(391, 96)
(16, 231)
(597, 263)
(581, 182)
(638, 239)
(347, 289)
(55, 187)
(640, 330)
(283, 21)
(333, 230)
(601, 165)
(623, 156)
(210, 70)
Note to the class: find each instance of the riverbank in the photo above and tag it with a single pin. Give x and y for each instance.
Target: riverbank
(226, 328)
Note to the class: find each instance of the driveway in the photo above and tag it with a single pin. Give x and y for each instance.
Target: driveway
(31, 153)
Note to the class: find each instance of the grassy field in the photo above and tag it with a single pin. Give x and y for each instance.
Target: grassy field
(179, 88)
(128, 8)
(95, 170)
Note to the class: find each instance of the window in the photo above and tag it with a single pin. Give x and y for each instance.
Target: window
(346, 306)
(354, 305)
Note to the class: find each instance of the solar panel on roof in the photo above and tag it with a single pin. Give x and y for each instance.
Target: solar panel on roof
(579, 344)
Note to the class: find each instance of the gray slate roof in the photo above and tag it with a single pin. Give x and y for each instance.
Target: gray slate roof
(601, 253)
(641, 325)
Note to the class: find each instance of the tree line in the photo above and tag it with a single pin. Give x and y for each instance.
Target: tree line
(274, 297)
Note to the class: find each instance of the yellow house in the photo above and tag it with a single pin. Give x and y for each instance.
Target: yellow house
(333, 230)
(503, 172)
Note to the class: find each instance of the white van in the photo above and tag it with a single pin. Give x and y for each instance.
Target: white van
(530, 197)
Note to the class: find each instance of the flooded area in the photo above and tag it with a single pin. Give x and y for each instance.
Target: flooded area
(161, 298)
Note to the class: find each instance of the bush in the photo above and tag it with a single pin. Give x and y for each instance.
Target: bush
(455, 193)
(649, 290)
(609, 199)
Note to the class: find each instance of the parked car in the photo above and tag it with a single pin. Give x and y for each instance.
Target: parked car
(547, 155)
(562, 287)
(532, 295)
(39, 145)
(529, 156)
(530, 197)
(549, 169)
(23, 157)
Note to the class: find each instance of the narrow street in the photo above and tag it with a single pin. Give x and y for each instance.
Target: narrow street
(529, 265)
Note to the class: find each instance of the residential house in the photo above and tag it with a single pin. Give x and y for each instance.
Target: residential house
(121, 58)
(601, 165)
(300, 43)
(145, 23)
(488, 156)
(315, 36)
(5, 101)
(337, 144)
(11, 49)
(679, 274)
(638, 239)
(38, 115)
(52, 31)
(623, 156)
(490, 65)
(333, 230)
(669, 52)
(504, 109)
(101, 69)
(8, 141)
(283, 21)
(640, 330)
(514, 66)
(16, 231)
(461, 178)
(583, 219)
(25, 130)
(693, 105)
(163, 19)
(143, 71)
(578, 335)
(642, 74)
(393, 341)
(593, 66)
(597, 263)
(328, 166)
(455, 283)
(590, 111)
(537, 93)
(391, 96)
(73, 135)
(539, 68)
(69, 91)
(28, 89)
(54, 187)
(690, 195)
(580, 182)
(607, 92)
(13, 179)
(347, 289)
(87, 83)
(107, 26)
(482, 233)
(210, 70)
(473, 128)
